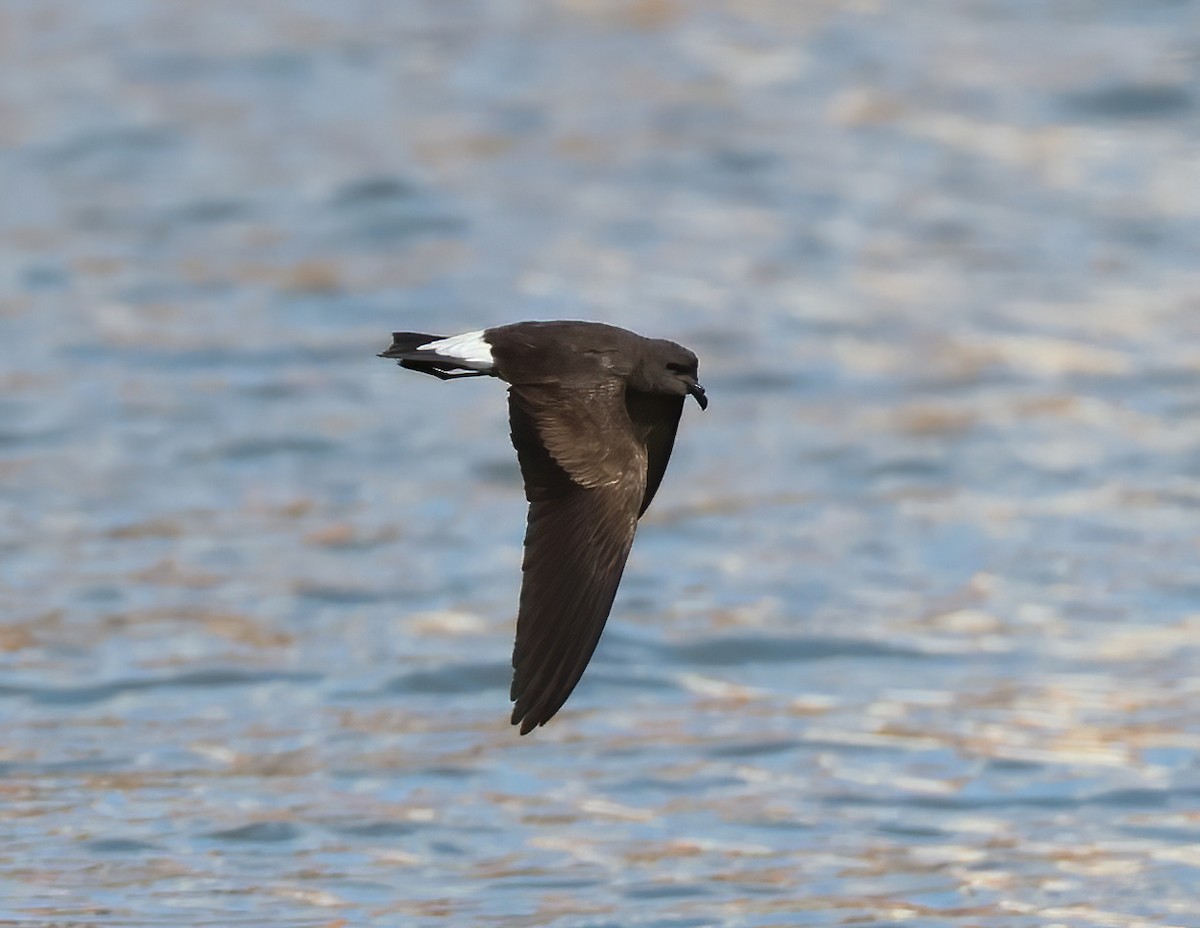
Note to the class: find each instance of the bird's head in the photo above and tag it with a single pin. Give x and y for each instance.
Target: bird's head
(671, 369)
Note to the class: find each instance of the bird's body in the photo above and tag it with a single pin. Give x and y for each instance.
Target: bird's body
(593, 411)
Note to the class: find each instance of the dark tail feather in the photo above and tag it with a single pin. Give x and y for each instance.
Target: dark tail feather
(404, 349)
(406, 343)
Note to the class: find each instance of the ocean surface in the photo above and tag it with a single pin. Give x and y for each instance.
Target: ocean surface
(910, 635)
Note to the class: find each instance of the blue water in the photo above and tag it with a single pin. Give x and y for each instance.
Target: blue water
(910, 633)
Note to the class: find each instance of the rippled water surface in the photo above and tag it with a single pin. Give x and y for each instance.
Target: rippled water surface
(911, 631)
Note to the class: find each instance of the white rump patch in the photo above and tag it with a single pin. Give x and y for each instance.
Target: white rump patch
(469, 349)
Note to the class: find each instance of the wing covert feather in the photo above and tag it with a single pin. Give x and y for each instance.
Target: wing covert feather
(587, 432)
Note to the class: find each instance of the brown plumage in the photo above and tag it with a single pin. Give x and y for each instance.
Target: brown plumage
(593, 411)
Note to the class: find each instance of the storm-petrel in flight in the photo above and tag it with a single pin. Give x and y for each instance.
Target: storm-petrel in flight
(593, 411)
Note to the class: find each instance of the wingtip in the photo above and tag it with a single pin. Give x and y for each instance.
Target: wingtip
(525, 720)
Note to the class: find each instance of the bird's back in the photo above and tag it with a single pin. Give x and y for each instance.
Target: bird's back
(566, 352)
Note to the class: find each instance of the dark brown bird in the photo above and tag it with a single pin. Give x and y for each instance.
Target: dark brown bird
(593, 411)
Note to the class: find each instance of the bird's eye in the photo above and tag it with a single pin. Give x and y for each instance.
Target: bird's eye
(678, 368)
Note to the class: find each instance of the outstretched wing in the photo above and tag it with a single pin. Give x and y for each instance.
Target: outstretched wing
(585, 477)
(655, 420)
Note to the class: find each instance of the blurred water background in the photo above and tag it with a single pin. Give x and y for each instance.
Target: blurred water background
(910, 633)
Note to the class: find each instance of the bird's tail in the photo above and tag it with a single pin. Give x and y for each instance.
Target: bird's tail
(445, 358)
